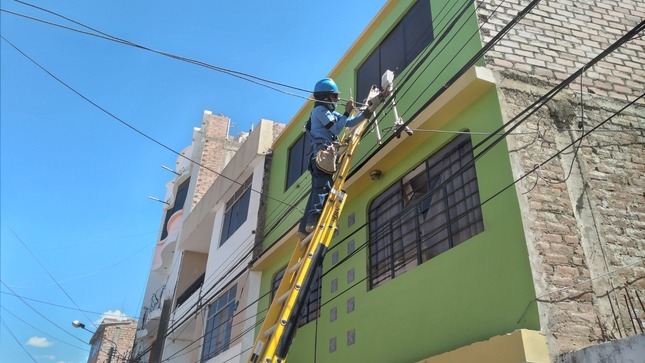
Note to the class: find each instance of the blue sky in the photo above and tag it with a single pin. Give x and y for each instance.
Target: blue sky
(75, 217)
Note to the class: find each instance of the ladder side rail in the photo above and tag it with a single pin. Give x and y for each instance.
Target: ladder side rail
(285, 316)
(320, 249)
(275, 308)
(329, 218)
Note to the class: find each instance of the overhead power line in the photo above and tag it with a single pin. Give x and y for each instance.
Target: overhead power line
(461, 14)
(49, 273)
(362, 246)
(17, 341)
(41, 314)
(38, 330)
(103, 35)
(134, 128)
(52, 304)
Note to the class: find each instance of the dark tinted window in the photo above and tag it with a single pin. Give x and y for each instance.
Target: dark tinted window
(399, 48)
(298, 159)
(236, 210)
(180, 199)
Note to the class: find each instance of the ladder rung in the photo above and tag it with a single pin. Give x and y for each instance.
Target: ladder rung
(267, 333)
(296, 266)
(305, 241)
(282, 298)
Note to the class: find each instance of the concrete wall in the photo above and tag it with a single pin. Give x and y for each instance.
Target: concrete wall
(628, 350)
(584, 210)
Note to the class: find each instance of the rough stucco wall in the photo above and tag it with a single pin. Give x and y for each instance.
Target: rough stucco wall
(583, 211)
(628, 350)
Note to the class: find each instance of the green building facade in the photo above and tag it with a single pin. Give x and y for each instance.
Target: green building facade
(430, 255)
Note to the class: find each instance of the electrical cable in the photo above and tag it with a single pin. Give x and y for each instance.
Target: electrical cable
(38, 330)
(549, 95)
(198, 306)
(513, 183)
(106, 268)
(94, 243)
(49, 274)
(455, 19)
(39, 313)
(479, 54)
(249, 305)
(527, 112)
(52, 304)
(466, 212)
(112, 37)
(575, 152)
(480, 155)
(459, 51)
(127, 42)
(134, 128)
(242, 75)
(445, 31)
(422, 58)
(17, 341)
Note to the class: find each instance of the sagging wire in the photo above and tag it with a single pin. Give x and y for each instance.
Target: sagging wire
(100, 34)
(362, 246)
(581, 123)
(128, 125)
(357, 249)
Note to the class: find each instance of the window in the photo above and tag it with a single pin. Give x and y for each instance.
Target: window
(427, 212)
(399, 48)
(96, 346)
(298, 160)
(180, 199)
(237, 210)
(217, 335)
(311, 310)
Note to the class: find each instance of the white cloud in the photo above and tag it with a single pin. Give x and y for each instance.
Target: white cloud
(39, 342)
(48, 357)
(114, 315)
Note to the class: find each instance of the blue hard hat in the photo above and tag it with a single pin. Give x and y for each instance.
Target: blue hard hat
(326, 85)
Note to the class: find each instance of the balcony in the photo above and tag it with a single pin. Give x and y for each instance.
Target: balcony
(194, 287)
(151, 313)
(165, 249)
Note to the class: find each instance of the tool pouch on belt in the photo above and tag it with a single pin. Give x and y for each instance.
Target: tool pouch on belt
(327, 159)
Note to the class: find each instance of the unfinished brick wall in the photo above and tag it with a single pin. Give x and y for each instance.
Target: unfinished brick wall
(217, 151)
(116, 339)
(583, 211)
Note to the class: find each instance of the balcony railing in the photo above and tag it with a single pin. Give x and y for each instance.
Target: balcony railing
(190, 290)
(155, 303)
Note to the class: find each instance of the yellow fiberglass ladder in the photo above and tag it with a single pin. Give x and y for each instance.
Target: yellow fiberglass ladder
(281, 321)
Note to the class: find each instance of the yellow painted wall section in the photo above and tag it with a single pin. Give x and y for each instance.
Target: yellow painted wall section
(519, 346)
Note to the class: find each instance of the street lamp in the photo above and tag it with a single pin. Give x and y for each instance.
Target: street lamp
(78, 324)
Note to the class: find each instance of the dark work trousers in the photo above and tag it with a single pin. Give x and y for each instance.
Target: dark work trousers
(320, 187)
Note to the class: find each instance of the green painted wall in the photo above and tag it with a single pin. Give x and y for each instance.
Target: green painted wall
(477, 290)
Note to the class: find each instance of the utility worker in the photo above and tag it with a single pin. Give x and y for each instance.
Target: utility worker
(323, 128)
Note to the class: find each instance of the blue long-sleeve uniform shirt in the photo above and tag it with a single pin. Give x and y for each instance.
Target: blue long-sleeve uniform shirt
(322, 135)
